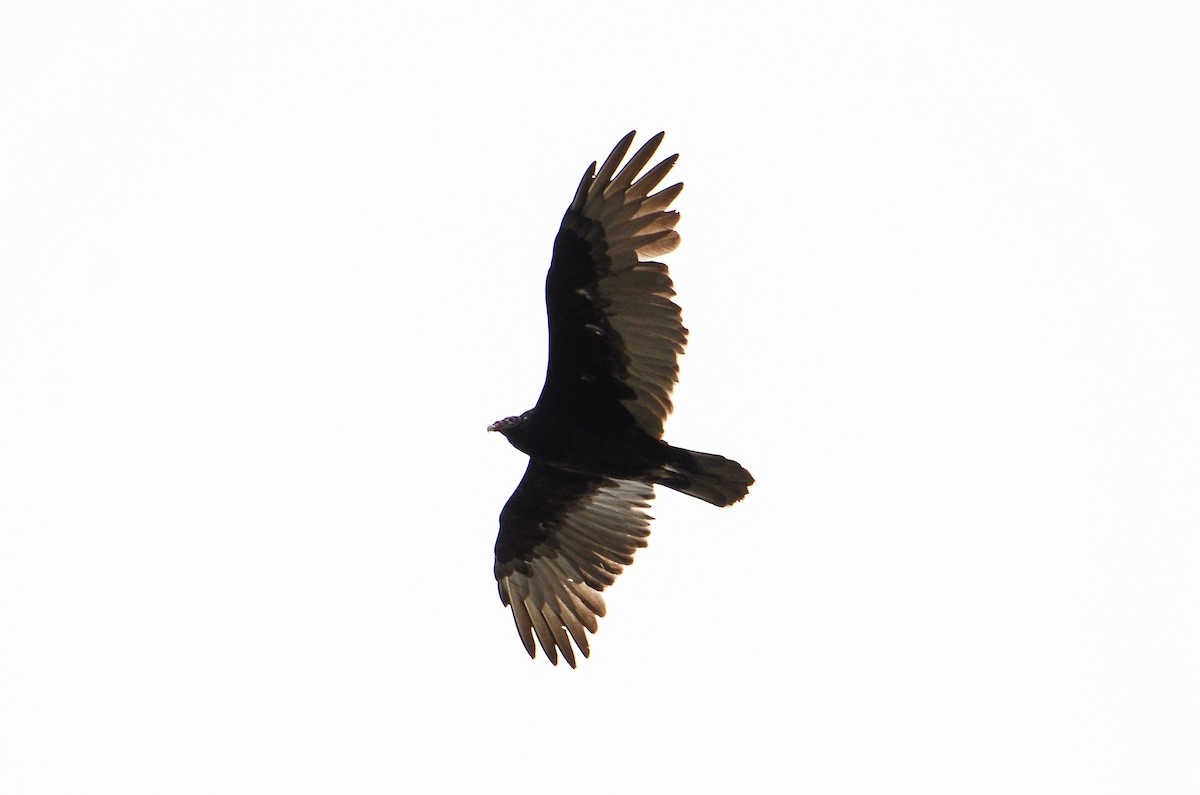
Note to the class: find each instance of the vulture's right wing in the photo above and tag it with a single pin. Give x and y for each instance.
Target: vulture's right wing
(564, 537)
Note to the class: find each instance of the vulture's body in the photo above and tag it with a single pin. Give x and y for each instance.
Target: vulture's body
(594, 439)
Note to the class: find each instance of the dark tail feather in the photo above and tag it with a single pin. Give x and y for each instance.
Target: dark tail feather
(712, 478)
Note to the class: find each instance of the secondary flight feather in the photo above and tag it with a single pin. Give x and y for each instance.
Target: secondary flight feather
(594, 438)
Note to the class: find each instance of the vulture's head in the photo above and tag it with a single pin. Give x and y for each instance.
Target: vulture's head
(507, 424)
(515, 429)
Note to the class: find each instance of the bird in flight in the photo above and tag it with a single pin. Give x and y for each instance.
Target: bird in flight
(594, 438)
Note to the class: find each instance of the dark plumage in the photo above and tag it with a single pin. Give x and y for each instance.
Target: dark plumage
(594, 439)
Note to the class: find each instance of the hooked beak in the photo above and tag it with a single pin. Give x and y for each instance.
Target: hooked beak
(495, 426)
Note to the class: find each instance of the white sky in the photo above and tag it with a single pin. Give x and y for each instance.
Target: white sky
(268, 269)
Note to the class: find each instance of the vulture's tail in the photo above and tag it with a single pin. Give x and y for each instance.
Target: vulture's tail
(712, 478)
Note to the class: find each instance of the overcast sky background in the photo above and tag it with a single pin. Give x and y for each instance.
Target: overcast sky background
(268, 269)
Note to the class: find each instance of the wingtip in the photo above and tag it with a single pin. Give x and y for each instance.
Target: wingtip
(654, 141)
(615, 157)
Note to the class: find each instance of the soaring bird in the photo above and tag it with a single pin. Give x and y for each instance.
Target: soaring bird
(594, 438)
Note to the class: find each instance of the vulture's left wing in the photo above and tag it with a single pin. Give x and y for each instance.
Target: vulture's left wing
(615, 333)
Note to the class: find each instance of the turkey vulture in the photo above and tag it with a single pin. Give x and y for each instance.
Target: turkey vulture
(594, 439)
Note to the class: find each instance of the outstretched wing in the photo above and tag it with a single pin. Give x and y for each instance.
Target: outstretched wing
(564, 538)
(615, 333)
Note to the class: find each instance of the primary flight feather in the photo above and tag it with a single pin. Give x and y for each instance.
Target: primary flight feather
(594, 438)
